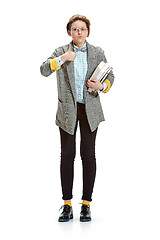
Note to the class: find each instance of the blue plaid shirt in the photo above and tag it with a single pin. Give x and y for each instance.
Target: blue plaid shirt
(80, 71)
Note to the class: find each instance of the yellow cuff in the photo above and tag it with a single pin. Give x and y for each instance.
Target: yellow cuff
(53, 64)
(108, 86)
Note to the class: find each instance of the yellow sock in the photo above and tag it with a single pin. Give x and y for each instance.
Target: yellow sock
(86, 203)
(68, 203)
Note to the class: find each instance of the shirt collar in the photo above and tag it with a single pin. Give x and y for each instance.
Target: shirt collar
(85, 45)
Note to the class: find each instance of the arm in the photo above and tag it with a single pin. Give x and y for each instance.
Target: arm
(101, 87)
(54, 62)
(110, 78)
(109, 81)
(45, 68)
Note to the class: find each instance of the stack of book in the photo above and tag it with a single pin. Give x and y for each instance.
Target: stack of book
(100, 73)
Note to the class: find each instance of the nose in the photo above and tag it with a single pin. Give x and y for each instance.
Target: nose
(79, 30)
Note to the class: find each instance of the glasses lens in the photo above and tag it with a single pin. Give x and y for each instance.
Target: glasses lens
(79, 29)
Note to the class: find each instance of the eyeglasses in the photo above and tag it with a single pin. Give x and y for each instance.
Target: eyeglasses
(83, 29)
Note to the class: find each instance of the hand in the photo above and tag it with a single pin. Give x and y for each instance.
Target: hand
(69, 55)
(94, 84)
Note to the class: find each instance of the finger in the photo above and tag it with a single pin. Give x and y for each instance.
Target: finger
(73, 57)
(69, 49)
(90, 85)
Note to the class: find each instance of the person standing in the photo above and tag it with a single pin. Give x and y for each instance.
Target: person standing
(74, 64)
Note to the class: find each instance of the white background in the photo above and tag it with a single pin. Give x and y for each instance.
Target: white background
(126, 195)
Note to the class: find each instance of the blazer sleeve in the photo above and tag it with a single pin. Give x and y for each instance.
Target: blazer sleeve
(50, 65)
(110, 78)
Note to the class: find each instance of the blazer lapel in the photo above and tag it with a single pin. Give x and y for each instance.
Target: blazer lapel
(70, 70)
(89, 60)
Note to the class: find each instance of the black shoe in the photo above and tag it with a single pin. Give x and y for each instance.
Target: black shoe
(66, 214)
(85, 215)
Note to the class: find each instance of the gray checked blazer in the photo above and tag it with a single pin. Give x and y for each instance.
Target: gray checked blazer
(66, 115)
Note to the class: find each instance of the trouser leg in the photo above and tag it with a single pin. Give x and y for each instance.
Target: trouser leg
(87, 152)
(68, 152)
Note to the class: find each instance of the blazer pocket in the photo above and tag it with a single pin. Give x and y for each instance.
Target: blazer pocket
(62, 112)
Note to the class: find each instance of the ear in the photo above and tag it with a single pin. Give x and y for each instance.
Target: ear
(69, 32)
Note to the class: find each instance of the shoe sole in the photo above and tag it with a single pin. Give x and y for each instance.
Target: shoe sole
(85, 220)
(65, 220)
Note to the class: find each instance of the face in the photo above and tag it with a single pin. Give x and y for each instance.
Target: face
(79, 36)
